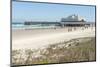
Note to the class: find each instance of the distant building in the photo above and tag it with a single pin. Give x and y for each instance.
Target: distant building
(73, 18)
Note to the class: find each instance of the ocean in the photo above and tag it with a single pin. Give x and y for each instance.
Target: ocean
(19, 25)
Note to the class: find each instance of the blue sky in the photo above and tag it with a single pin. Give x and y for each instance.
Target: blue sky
(27, 11)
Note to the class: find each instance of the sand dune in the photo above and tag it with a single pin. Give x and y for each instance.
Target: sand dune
(26, 39)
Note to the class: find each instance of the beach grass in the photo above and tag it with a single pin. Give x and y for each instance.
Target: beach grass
(75, 50)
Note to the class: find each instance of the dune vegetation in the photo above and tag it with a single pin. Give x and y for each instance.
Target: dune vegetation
(75, 50)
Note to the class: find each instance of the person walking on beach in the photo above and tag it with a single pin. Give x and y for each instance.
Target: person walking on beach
(74, 28)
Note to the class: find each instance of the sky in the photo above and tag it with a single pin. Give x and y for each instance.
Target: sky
(31, 11)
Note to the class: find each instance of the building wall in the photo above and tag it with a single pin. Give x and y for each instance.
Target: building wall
(73, 18)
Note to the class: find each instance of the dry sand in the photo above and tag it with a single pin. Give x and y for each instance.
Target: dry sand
(40, 38)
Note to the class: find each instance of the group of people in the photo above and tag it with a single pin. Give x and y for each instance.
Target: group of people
(69, 29)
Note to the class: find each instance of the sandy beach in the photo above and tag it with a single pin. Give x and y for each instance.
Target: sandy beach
(40, 38)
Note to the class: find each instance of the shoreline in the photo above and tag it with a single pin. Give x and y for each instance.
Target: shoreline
(24, 39)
